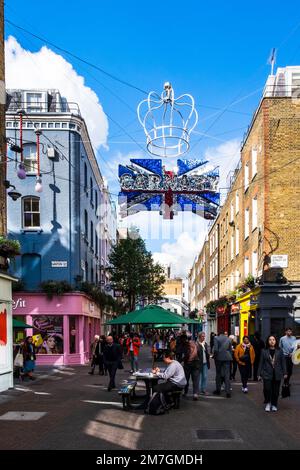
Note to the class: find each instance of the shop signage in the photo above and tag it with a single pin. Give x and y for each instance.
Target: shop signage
(236, 331)
(253, 300)
(59, 264)
(279, 261)
(235, 308)
(19, 303)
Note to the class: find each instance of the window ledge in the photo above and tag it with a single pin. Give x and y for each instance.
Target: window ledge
(32, 229)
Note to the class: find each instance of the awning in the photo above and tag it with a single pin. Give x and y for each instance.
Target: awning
(151, 314)
(20, 324)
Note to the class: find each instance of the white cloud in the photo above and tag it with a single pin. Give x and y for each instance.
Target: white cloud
(46, 69)
(181, 253)
(226, 156)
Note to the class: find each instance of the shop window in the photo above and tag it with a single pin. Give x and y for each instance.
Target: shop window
(48, 334)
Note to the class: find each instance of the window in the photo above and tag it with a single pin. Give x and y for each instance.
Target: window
(246, 223)
(246, 266)
(254, 213)
(86, 229)
(9, 124)
(232, 247)
(31, 212)
(91, 191)
(96, 201)
(64, 125)
(231, 212)
(237, 241)
(254, 162)
(237, 202)
(57, 125)
(246, 177)
(30, 158)
(43, 125)
(254, 263)
(92, 234)
(85, 178)
(34, 102)
(96, 242)
(50, 125)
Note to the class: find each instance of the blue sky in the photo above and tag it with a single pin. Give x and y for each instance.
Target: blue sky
(217, 52)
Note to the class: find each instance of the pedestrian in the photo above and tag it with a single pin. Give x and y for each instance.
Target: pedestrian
(222, 353)
(233, 364)
(29, 355)
(272, 368)
(133, 345)
(245, 355)
(95, 353)
(102, 366)
(204, 363)
(211, 342)
(287, 344)
(112, 360)
(192, 363)
(258, 345)
(180, 344)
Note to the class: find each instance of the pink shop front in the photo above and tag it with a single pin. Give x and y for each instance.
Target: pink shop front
(63, 327)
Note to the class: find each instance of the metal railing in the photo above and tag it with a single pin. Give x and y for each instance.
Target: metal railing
(42, 107)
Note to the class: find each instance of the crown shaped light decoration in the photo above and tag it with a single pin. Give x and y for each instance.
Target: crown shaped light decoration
(167, 122)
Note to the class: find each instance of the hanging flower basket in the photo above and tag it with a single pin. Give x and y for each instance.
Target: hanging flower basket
(9, 249)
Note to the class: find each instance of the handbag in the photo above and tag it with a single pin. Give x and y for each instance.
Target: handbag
(285, 391)
(120, 364)
(19, 360)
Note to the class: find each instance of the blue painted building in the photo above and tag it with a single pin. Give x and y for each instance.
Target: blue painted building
(67, 230)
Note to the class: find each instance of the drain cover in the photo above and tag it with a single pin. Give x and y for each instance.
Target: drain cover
(215, 435)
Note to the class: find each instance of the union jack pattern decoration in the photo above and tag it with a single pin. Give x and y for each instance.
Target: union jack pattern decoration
(146, 185)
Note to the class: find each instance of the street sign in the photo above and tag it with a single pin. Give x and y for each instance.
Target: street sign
(279, 261)
(59, 264)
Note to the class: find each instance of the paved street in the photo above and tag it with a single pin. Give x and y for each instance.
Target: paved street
(78, 413)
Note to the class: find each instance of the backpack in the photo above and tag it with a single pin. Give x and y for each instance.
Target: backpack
(157, 404)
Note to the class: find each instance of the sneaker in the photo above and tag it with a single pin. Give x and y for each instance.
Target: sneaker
(195, 397)
(274, 408)
(268, 407)
(246, 390)
(222, 388)
(243, 390)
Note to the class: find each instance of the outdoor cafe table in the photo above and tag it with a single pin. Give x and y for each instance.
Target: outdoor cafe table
(149, 378)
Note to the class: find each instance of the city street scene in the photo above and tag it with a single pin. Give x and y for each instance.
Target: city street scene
(149, 231)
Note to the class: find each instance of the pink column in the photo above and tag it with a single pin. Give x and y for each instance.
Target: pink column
(29, 331)
(81, 339)
(66, 339)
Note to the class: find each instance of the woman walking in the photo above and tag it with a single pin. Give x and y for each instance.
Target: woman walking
(272, 368)
(29, 352)
(245, 355)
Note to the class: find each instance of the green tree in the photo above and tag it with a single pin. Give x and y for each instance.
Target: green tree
(134, 272)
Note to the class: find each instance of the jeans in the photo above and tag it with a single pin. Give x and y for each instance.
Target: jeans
(203, 378)
(245, 371)
(133, 361)
(271, 391)
(192, 369)
(223, 371)
(112, 370)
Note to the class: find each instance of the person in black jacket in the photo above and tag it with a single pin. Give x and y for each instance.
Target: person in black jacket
(272, 369)
(29, 355)
(258, 346)
(112, 356)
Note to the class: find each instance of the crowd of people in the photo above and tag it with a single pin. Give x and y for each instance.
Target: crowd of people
(188, 360)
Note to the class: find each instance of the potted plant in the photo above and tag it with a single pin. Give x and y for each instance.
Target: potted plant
(9, 249)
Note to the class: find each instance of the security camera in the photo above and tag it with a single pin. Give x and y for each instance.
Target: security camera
(15, 195)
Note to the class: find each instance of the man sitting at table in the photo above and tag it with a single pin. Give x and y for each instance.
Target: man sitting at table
(174, 375)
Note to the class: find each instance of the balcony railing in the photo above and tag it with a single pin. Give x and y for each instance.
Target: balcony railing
(42, 107)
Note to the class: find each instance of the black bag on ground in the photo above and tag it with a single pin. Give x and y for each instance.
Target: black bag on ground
(285, 391)
(157, 404)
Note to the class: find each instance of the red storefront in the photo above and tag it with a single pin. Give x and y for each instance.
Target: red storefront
(223, 318)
